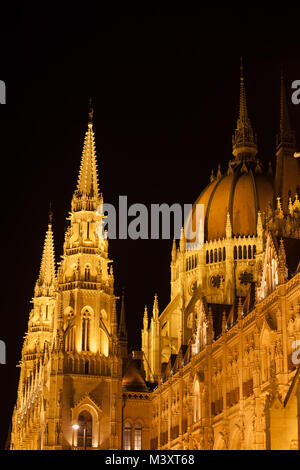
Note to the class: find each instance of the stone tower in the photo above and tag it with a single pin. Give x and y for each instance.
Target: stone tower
(71, 368)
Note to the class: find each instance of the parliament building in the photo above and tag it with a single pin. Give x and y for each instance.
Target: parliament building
(218, 366)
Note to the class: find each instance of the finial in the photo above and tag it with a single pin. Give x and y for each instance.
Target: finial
(91, 111)
(50, 214)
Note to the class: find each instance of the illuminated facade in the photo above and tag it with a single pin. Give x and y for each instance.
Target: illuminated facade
(216, 368)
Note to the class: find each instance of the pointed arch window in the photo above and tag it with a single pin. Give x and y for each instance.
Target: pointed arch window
(87, 273)
(127, 436)
(138, 436)
(86, 324)
(70, 340)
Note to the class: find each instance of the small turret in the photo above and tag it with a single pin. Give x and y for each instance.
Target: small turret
(155, 308)
(145, 319)
(174, 251)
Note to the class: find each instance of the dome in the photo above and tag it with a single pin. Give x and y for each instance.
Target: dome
(242, 192)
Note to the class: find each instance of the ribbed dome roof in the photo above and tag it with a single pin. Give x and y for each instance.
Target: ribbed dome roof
(242, 193)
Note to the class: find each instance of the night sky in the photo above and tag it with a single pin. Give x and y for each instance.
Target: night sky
(165, 91)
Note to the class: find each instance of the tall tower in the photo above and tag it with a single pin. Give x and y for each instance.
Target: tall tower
(287, 166)
(71, 368)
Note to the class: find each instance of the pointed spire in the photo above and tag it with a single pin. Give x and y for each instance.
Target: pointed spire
(286, 134)
(259, 225)
(145, 319)
(282, 268)
(212, 176)
(228, 229)
(244, 142)
(46, 279)
(87, 185)
(182, 241)
(174, 250)
(155, 310)
(219, 174)
(122, 333)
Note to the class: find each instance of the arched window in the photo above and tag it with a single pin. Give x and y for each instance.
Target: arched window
(207, 257)
(127, 436)
(240, 252)
(70, 340)
(245, 252)
(87, 273)
(197, 404)
(224, 253)
(84, 433)
(249, 252)
(254, 251)
(103, 343)
(216, 255)
(138, 436)
(220, 254)
(235, 252)
(86, 367)
(86, 320)
(211, 256)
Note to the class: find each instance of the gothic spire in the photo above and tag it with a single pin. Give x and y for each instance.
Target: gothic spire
(122, 333)
(244, 142)
(286, 134)
(46, 277)
(87, 185)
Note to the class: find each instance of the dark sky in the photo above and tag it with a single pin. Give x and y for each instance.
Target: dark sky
(165, 90)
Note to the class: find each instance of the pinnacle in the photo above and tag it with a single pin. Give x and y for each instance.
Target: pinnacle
(47, 270)
(87, 185)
